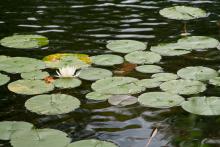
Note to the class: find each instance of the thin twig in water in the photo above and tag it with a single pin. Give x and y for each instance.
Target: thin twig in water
(153, 134)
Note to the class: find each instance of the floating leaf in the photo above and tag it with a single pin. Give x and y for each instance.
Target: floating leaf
(117, 85)
(54, 57)
(125, 46)
(97, 96)
(199, 73)
(185, 87)
(41, 138)
(215, 81)
(67, 83)
(148, 83)
(141, 57)
(160, 99)
(107, 60)
(122, 100)
(163, 77)
(149, 69)
(30, 87)
(93, 74)
(4, 79)
(170, 49)
(21, 64)
(67, 61)
(35, 75)
(202, 105)
(198, 42)
(3, 57)
(24, 41)
(52, 104)
(92, 143)
(183, 13)
(7, 128)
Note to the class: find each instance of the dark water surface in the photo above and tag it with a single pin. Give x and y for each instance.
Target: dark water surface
(84, 26)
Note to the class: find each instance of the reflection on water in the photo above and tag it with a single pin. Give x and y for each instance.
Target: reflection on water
(84, 27)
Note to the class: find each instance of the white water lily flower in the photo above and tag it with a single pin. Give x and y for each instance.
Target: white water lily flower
(67, 72)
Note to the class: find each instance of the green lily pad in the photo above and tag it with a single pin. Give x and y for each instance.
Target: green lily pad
(199, 73)
(215, 81)
(21, 64)
(41, 138)
(160, 99)
(52, 104)
(185, 87)
(98, 96)
(93, 74)
(149, 69)
(65, 61)
(67, 83)
(163, 77)
(92, 143)
(4, 79)
(202, 105)
(148, 83)
(122, 100)
(3, 57)
(170, 49)
(183, 13)
(125, 46)
(198, 42)
(35, 75)
(24, 41)
(141, 57)
(107, 60)
(117, 85)
(30, 87)
(7, 128)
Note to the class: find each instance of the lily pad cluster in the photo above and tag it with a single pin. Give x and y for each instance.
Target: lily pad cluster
(185, 45)
(24, 134)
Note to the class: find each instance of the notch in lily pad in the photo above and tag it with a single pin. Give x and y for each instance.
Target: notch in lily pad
(24, 41)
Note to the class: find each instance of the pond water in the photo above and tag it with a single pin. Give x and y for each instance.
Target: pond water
(84, 27)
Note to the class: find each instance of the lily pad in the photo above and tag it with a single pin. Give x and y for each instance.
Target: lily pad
(185, 87)
(160, 99)
(3, 57)
(4, 79)
(149, 69)
(7, 128)
(199, 73)
(41, 138)
(215, 81)
(54, 57)
(183, 13)
(202, 105)
(122, 100)
(66, 61)
(52, 104)
(35, 75)
(198, 42)
(97, 96)
(148, 83)
(163, 77)
(92, 143)
(30, 87)
(67, 83)
(117, 85)
(21, 64)
(93, 74)
(141, 57)
(125, 46)
(107, 60)
(24, 41)
(170, 49)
